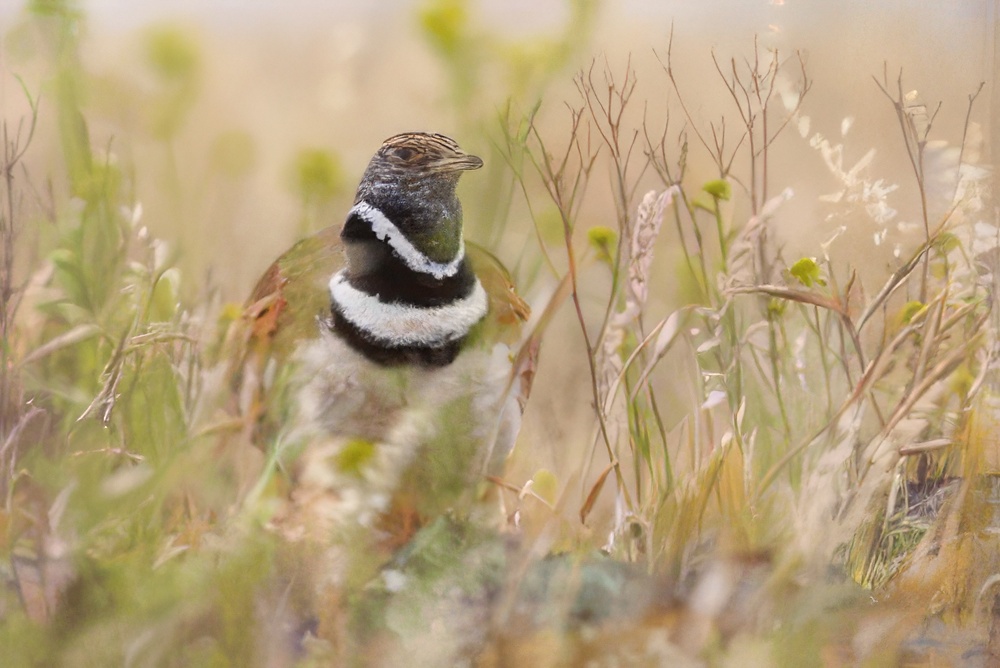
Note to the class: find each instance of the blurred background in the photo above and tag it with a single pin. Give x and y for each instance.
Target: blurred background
(245, 125)
(252, 122)
(240, 107)
(232, 128)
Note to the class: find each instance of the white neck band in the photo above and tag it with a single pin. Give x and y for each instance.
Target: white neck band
(387, 231)
(405, 324)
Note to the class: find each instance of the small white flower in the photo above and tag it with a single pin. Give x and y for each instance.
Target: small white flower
(803, 124)
(394, 580)
(161, 253)
(714, 398)
(132, 215)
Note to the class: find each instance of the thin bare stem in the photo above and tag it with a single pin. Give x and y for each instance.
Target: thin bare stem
(915, 141)
(965, 135)
(564, 179)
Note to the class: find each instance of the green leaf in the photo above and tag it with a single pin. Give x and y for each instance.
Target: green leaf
(444, 22)
(318, 175)
(69, 276)
(909, 311)
(545, 485)
(549, 224)
(165, 296)
(153, 411)
(603, 240)
(700, 202)
(174, 57)
(719, 189)
(354, 455)
(947, 242)
(172, 53)
(962, 380)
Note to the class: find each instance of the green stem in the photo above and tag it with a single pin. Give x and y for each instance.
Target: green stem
(723, 245)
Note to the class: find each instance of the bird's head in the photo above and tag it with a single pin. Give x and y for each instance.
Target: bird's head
(412, 157)
(411, 181)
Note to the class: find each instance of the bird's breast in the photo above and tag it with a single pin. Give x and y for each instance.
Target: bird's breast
(369, 431)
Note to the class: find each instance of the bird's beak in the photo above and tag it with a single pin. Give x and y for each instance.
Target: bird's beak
(459, 161)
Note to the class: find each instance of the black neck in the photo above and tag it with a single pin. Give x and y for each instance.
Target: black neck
(373, 267)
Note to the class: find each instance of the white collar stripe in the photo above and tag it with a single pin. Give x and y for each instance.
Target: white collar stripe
(387, 231)
(405, 324)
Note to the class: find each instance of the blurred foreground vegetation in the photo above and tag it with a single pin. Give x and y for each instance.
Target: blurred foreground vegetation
(792, 461)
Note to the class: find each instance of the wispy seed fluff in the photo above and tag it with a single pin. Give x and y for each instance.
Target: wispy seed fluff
(648, 221)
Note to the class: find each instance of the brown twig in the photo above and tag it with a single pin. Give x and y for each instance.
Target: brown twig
(915, 141)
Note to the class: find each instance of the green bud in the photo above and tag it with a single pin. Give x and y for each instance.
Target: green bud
(603, 239)
(909, 311)
(719, 189)
(354, 455)
(807, 272)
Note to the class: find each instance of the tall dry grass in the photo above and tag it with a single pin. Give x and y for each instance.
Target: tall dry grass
(769, 442)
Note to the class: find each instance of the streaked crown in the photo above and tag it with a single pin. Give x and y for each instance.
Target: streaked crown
(421, 152)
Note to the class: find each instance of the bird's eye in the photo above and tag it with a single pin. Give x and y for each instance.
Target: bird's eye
(404, 153)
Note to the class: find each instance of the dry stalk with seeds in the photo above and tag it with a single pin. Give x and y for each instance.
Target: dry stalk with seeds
(14, 415)
(750, 447)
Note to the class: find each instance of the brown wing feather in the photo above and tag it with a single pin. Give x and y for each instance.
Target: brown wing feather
(508, 311)
(508, 314)
(294, 290)
(282, 308)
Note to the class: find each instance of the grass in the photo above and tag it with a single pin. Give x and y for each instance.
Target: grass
(825, 422)
(786, 458)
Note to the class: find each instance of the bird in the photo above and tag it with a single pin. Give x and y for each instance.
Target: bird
(388, 355)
